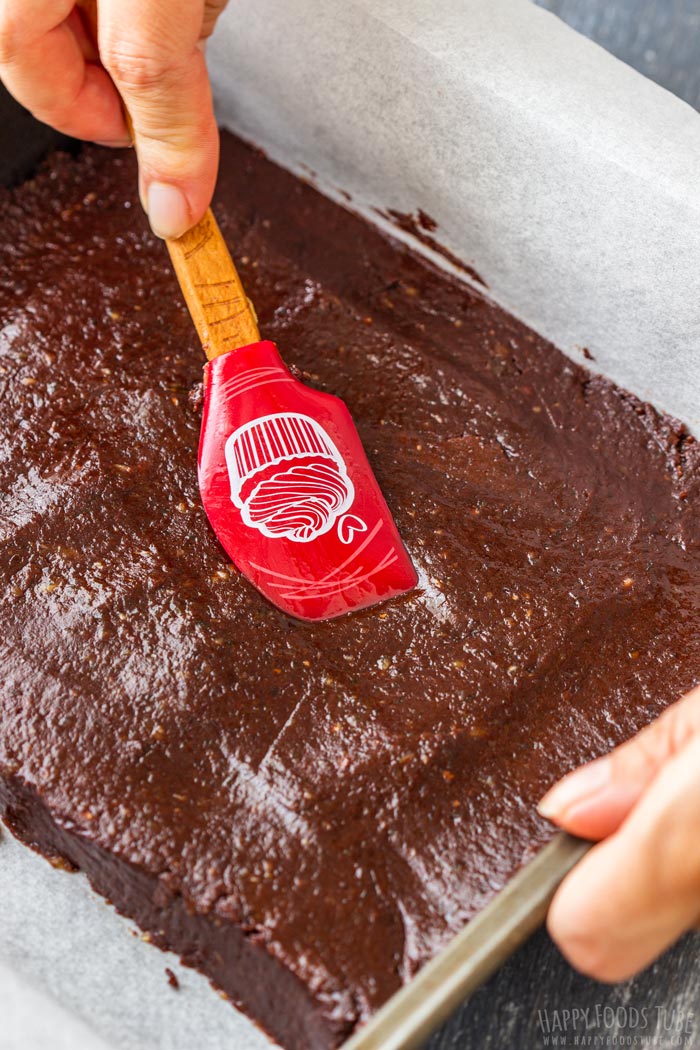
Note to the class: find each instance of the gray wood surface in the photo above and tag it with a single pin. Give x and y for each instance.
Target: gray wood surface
(660, 38)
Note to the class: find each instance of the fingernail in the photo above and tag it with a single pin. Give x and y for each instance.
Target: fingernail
(125, 143)
(580, 784)
(167, 209)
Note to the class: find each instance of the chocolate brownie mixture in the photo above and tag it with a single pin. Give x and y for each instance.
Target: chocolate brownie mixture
(308, 813)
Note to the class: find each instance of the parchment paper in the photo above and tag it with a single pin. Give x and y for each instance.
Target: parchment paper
(81, 977)
(568, 181)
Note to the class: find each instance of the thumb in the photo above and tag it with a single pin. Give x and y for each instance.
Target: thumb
(151, 52)
(594, 800)
(634, 894)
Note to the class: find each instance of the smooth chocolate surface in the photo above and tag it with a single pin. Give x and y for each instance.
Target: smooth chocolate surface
(308, 813)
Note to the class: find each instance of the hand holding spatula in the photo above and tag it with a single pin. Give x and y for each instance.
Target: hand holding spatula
(282, 472)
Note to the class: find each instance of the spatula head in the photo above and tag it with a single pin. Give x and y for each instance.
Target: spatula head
(289, 492)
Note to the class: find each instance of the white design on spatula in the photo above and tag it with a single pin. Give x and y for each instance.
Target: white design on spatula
(308, 494)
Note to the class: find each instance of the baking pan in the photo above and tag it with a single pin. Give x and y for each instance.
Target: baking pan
(414, 1013)
(23, 141)
(569, 182)
(473, 955)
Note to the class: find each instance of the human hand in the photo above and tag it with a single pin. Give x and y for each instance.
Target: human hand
(638, 890)
(150, 54)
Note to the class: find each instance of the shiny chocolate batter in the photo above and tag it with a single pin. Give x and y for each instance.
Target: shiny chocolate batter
(308, 813)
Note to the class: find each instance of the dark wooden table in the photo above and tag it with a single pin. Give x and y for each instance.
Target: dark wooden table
(660, 38)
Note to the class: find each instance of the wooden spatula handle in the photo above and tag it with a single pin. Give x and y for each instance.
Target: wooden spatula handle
(222, 313)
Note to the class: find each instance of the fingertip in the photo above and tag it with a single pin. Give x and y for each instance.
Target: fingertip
(168, 210)
(596, 817)
(176, 188)
(584, 782)
(591, 802)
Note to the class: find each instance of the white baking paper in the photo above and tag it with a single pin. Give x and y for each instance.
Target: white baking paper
(568, 181)
(83, 978)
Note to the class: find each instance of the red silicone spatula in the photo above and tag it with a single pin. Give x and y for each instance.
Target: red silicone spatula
(282, 472)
